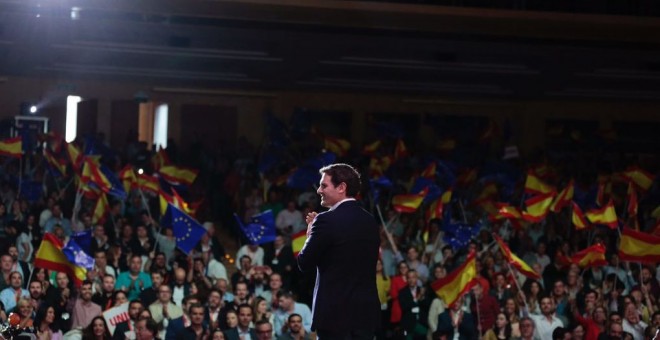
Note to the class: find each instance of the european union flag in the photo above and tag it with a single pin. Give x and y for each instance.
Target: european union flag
(84, 240)
(117, 188)
(77, 256)
(187, 231)
(262, 228)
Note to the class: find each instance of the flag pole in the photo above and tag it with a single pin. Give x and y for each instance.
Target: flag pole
(20, 174)
(515, 280)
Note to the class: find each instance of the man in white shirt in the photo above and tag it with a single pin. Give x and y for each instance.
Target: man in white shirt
(214, 269)
(632, 323)
(289, 220)
(547, 321)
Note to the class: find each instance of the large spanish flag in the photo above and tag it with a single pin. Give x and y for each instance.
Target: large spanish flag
(50, 256)
(176, 174)
(605, 216)
(408, 203)
(593, 256)
(534, 185)
(515, 261)
(458, 282)
(298, 241)
(639, 247)
(12, 147)
(564, 198)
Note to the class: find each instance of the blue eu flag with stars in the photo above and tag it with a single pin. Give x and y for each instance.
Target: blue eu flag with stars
(187, 231)
(261, 229)
(77, 256)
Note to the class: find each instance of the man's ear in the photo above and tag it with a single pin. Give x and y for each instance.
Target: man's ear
(342, 187)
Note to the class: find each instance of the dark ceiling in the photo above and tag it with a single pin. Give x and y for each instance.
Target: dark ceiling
(333, 46)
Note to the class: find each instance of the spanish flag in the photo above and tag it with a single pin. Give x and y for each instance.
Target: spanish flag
(408, 203)
(435, 210)
(639, 247)
(12, 147)
(489, 132)
(633, 203)
(101, 209)
(173, 199)
(50, 256)
(91, 173)
(605, 216)
(466, 177)
(451, 287)
(178, 175)
(148, 183)
(298, 241)
(55, 163)
(160, 159)
(640, 177)
(372, 147)
(378, 166)
(534, 185)
(488, 193)
(578, 219)
(508, 211)
(538, 207)
(400, 150)
(128, 178)
(515, 261)
(430, 171)
(337, 146)
(75, 156)
(593, 256)
(564, 198)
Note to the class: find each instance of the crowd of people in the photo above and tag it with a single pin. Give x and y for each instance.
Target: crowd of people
(259, 293)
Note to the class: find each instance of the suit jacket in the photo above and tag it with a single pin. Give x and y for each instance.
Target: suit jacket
(467, 328)
(343, 249)
(120, 330)
(408, 317)
(174, 327)
(232, 334)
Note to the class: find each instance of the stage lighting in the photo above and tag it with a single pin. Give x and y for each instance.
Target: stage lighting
(140, 171)
(33, 109)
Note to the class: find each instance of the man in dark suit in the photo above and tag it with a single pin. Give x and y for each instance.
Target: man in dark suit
(342, 247)
(454, 320)
(243, 329)
(413, 307)
(175, 326)
(134, 310)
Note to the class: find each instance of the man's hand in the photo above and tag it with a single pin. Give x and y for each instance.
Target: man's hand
(309, 219)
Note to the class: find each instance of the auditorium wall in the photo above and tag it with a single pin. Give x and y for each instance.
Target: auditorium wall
(241, 111)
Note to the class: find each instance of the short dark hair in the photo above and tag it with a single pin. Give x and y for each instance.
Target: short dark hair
(87, 282)
(151, 325)
(343, 173)
(294, 315)
(262, 322)
(195, 305)
(188, 298)
(244, 305)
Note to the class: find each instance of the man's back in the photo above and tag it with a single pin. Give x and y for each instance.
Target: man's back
(343, 248)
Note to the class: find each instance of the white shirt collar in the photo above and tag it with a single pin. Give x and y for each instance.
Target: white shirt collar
(340, 202)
